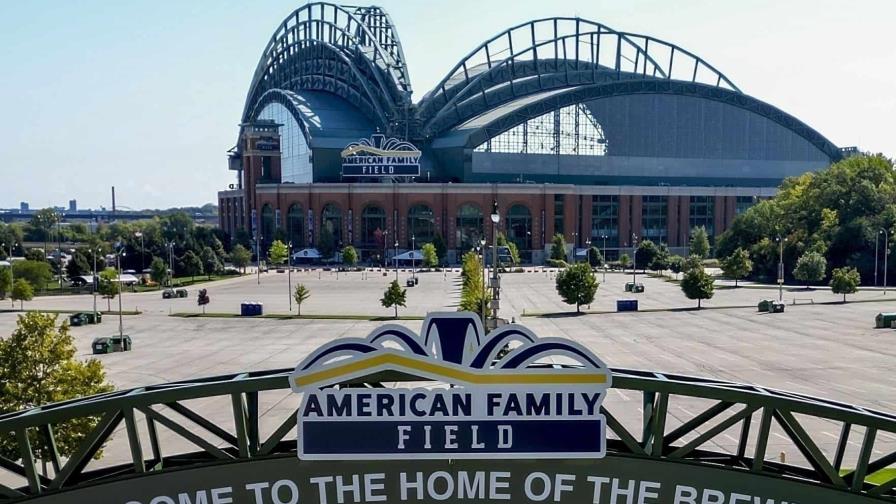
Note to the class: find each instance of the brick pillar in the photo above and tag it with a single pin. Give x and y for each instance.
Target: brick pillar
(585, 229)
(637, 211)
(672, 224)
(684, 209)
(718, 219)
(625, 230)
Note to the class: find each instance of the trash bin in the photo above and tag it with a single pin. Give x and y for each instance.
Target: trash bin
(639, 287)
(625, 305)
(884, 319)
(629, 286)
(776, 307)
(763, 305)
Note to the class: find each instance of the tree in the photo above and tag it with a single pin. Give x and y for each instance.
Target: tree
(21, 292)
(192, 264)
(37, 273)
(738, 265)
(558, 247)
(240, 257)
(845, 281)
(77, 265)
(439, 243)
(473, 294)
(514, 253)
(158, 271)
(691, 262)
(595, 259)
(647, 252)
(349, 256)
(278, 252)
(43, 221)
(38, 366)
(699, 245)
(108, 286)
(625, 261)
(810, 267)
(5, 281)
(676, 264)
(210, 262)
(577, 285)
(326, 244)
(301, 295)
(697, 284)
(394, 297)
(430, 255)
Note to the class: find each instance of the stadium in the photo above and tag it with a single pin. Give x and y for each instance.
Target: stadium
(572, 126)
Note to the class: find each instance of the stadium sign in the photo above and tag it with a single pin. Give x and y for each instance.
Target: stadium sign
(379, 156)
(501, 398)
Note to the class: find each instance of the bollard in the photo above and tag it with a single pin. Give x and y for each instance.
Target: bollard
(782, 457)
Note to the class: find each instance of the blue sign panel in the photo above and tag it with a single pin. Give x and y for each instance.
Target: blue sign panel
(379, 156)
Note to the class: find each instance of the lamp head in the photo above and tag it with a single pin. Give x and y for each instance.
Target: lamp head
(496, 217)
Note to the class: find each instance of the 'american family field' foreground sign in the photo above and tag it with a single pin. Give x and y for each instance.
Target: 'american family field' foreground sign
(504, 395)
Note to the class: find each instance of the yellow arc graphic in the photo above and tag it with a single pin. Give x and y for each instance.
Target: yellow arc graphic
(354, 149)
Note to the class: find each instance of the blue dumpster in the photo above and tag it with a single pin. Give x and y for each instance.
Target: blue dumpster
(625, 305)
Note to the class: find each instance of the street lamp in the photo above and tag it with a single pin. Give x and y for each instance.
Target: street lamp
(385, 237)
(886, 254)
(395, 258)
(876, 242)
(413, 263)
(258, 260)
(496, 218)
(289, 274)
(604, 238)
(120, 320)
(780, 267)
(139, 234)
(12, 277)
(634, 260)
(170, 246)
(481, 294)
(94, 253)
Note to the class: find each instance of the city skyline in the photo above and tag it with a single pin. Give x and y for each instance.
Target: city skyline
(150, 107)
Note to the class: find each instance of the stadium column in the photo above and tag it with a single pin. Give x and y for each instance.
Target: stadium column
(719, 219)
(684, 219)
(585, 225)
(637, 212)
(625, 216)
(672, 224)
(730, 211)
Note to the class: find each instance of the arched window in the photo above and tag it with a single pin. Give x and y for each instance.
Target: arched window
(267, 224)
(331, 222)
(469, 227)
(373, 218)
(421, 224)
(519, 227)
(295, 226)
(570, 130)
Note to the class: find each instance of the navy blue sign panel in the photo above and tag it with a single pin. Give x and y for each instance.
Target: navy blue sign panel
(379, 156)
(475, 438)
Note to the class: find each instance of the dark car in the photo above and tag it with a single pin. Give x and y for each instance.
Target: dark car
(167, 293)
(82, 318)
(109, 344)
(180, 293)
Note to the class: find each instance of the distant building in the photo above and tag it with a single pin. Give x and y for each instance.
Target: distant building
(23, 206)
(72, 205)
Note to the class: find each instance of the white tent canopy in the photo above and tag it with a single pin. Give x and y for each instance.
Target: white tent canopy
(410, 255)
(308, 253)
(582, 252)
(4, 263)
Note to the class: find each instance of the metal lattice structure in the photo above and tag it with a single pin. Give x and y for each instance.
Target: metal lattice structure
(749, 411)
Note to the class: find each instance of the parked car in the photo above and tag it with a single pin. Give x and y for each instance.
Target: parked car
(180, 292)
(167, 293)
(82, 318)
(109, 344)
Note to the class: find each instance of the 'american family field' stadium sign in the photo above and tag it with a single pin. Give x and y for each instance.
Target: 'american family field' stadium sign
(379, 156)
(503, 395)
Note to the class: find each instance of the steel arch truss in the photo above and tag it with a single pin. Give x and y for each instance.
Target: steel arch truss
(556, 100)
(555, 53)
(749, 412)
(355, 54)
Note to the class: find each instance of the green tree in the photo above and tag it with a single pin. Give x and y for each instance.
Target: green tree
(595, 259)
(439, 243)
(78, 265)
(278, 252)
(192, 264)
(326, 245)
(349, 256)
(21, 292)
(845, 281)
(738, 265)
(699, 245)
(558, 247)
(210, 262)
(697, 284)
(647, 252)
(676, 264)
(37, 273)
(108, 285)
(301, 295)
(430, 255)
(693, 261)
(240, 257)
(5, 281)
(394, 297)
(577, 285)
(158, 271)
(43, 221)
(810, 267)
(38, 366)
(473, 290)
(625, 261)
(661, 261)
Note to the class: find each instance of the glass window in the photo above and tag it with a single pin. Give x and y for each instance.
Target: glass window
(743, 203)
(702, 213)
(421, 225)
(569, 130)
(331, 220)
(295, 226)
(559, 199)
(654, 210)
(267, 224)
(295, 154)
(469, 227)
(605, 220)
(519, 227)
(373, 223)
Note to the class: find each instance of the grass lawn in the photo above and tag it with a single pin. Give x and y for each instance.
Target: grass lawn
(184, 282)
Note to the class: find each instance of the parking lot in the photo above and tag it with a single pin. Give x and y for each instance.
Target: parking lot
(816, 346)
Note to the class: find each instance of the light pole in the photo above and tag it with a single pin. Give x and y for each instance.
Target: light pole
(575, 245)
(395, 258)
(886, 253)
(120, 320)
(59, 245)
(780, 267)
(139, 234)
(95, 280)
(12, 277)
(258, 260)
(481, 294)
(634, 260)
(385, 240)
(170, 246)
(413, 263)
(876, 242)
(289, 274)
(496, 218)
(588, 252)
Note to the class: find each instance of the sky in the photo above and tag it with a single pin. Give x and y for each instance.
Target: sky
(146, 95)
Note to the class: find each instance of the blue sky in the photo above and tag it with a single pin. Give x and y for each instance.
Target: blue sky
(146, 94)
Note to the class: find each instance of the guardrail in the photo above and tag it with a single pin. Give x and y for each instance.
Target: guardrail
(733, 406)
